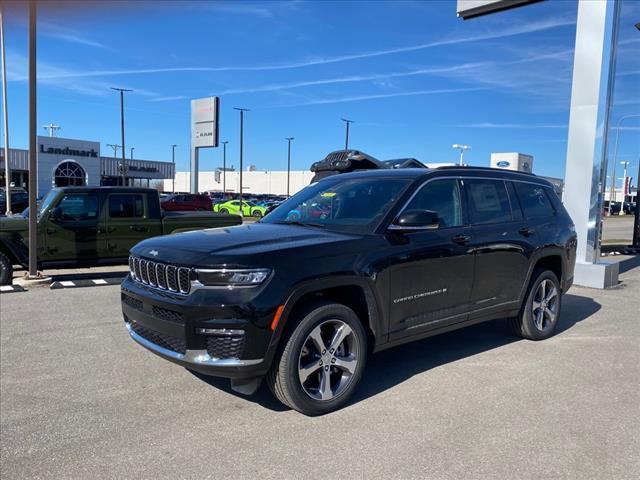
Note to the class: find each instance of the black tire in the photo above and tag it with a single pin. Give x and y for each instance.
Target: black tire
(6, 270)
(535, 322)
(257, 214)
(224, 210)
(284, 377)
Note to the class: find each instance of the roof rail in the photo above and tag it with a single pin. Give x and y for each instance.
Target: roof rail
(492, 169)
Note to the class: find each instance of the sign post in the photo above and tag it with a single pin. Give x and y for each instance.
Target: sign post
(204, 132)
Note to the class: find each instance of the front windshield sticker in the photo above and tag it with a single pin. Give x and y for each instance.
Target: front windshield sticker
(328, 194)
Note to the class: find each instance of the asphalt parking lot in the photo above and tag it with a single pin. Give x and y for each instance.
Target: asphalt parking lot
(80, 400)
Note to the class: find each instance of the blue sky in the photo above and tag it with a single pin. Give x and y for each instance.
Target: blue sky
(413, 77)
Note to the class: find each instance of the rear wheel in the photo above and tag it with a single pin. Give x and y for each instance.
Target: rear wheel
(257, 213)
(224, 210)
(322, 360)
(540, 313)
(6, 270)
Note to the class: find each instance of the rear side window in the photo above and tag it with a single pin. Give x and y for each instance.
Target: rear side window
(488, 201)
(126, 206)
(534, 200)
(441, 197)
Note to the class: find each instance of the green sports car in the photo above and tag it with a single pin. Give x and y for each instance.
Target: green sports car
(249, 209)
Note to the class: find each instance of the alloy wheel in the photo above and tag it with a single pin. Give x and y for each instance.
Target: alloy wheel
(545, 305)
(328, 360)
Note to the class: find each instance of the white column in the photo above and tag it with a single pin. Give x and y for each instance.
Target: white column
(591, 92)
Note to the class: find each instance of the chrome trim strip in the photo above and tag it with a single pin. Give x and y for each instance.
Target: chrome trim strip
(400, 228)
(195, 357)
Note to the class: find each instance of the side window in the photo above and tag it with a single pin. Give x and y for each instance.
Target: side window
(126, 206)
(78, 206)
(534, 201)
(488, 201)
(442, 197)
(189, 198)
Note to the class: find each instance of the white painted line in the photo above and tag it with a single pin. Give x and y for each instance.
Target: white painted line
(100, 281)
(67, 283)
(6, 288)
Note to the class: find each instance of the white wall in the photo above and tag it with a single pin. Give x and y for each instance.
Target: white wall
(269, 182)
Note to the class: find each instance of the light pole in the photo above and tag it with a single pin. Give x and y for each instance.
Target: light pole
(346, 140)
(224, 169)
(33, 140)
(462, 149)
(7, 168)
(131, 154)
(241, 110)
(124, 157)
(612, 192)
(173, 161)
(289, 139)
(115, 149)
(53, 128)
(636, 222)
(624, 178)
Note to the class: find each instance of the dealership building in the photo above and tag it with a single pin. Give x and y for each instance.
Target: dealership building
(70, 162)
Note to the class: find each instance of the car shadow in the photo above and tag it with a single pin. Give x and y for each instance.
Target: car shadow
(391, 367)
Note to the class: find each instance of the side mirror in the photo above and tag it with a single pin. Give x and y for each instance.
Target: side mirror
(56, 214)
(413, 220)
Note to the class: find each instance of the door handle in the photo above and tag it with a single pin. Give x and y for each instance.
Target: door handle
(526, 231)
(138, 228)
(461, 239)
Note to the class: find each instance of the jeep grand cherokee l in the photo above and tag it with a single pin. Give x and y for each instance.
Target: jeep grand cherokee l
(396, 255)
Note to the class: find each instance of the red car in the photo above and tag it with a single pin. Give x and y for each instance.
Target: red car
(187, 202)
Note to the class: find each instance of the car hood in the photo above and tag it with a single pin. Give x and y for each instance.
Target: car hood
(14, 223)
(229, 245)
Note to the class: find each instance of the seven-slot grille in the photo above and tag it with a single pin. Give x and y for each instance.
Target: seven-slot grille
(160, 275)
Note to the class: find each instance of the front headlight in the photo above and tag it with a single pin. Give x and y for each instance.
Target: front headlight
(233, 277)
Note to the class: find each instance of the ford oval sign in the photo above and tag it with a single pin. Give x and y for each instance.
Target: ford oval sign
(503, 164)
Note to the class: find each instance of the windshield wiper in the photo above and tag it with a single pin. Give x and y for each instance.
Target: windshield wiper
(299, 223)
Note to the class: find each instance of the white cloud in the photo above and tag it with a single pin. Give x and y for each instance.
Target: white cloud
(358, 98)
(55, 31)
(169, 99)
(530, 27)
(510, 125)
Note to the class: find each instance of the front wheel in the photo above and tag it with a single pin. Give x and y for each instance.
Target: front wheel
(223, 210)
(539, 315)
(6, 270)
(322, 360)
(257, 213)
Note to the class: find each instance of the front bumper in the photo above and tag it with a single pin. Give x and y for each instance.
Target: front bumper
(199, 360)
(178, 329)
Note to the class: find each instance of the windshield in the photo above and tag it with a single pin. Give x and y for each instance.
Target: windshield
(355, 205)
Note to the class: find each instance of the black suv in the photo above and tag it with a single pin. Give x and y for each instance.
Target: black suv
(353, 264)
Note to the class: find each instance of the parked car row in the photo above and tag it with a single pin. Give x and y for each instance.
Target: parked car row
(617, 208)
(19, 199)
(251, 207)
